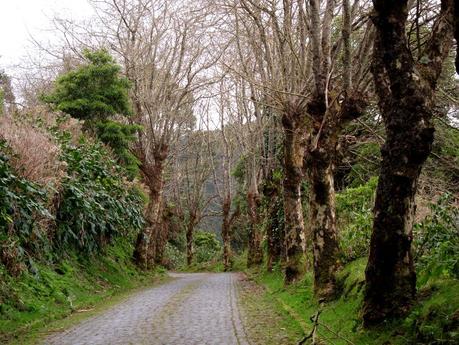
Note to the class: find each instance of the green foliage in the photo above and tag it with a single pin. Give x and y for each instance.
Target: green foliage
(93, 91)
(96, 205)
(207, 247)
(22, 206)
(240, 170)
(365, 164)
(436, 241)
(118, 136)
(355, 219)
(174, 258)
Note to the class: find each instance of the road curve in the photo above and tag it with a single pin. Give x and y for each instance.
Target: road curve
(193, 309)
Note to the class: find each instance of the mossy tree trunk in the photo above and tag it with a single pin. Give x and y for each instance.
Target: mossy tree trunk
(323, 223)
(406, 101)
(145, 249)
(294, 242)
(274, 227)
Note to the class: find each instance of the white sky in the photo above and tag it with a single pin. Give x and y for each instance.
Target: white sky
(19, 19)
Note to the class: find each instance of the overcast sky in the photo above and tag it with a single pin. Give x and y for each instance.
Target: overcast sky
(21, 18)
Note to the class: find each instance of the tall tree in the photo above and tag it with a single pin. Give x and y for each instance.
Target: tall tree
(162, 47)
(221, 146)
(296, 65)
(332, 105)
(191, 177)
(406, 89)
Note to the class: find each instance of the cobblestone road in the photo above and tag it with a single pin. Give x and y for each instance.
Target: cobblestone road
(193, 309)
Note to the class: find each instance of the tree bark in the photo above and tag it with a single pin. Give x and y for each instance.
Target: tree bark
(162, 236)
(323, 224)
(406, 101)
(294, 225)
(145, 249)
(226, 234)
(255, 252)
(189, 239)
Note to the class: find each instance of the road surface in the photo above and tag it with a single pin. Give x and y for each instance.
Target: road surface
(192, 309)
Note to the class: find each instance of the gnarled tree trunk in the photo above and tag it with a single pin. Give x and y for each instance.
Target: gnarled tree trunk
(323, 223)
(406, 101)
(145, 249)
(294, 242)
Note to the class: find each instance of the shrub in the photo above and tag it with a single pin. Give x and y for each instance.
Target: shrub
(173, 257)
(436, 240)
(97, 202)
(207, 247)
(355, 219)
(22, 206)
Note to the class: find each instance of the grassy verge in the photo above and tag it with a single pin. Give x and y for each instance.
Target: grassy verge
(40, 302)
(265, 321)
(433, 320)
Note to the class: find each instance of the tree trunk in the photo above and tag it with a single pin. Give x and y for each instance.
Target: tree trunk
(293, 210)
(145, 239)
(145, 249)
(406, 101)
(274, 228)
(226, 234)
(189, 239)
(255, 252)
(162, 236)
(323, 225)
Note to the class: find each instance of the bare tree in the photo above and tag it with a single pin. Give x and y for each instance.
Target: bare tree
(289, 47)
(162, 46)
(250, 116)
(221, 146)
(191, 177)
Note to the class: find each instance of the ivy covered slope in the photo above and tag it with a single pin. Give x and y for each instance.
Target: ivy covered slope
(69, 215)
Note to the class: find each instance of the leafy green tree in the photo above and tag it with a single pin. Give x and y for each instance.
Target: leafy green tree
(95, 92)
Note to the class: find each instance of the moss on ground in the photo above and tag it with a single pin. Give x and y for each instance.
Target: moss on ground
(39, 301)
(433, 320)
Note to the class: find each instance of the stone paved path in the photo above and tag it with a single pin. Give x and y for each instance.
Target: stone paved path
(193, 309)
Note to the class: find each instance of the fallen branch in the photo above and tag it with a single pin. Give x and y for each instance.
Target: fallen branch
(313, 334)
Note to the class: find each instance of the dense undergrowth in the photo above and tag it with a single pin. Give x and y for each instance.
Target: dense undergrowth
(66, 238)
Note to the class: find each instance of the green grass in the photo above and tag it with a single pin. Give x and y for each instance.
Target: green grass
(31, 303)
(433, 320)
